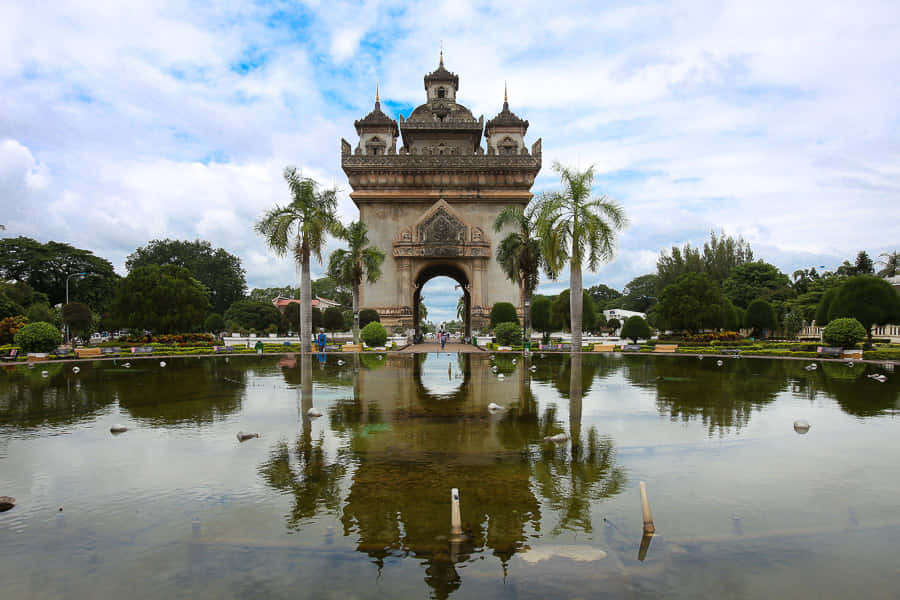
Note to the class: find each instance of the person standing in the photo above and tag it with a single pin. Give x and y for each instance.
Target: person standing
(321, 340)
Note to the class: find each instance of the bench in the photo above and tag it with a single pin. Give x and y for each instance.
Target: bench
(88, 352)
(332, 348)
(220, 349)
(666, 348)
(604, 347)
(830, 351)
(142, 350)
(631, 348)
(63, 352)
(11, 355)
(732, 351)
(351, 348)
(111, 350)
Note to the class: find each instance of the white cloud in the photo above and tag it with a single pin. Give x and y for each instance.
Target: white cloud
(773, 120)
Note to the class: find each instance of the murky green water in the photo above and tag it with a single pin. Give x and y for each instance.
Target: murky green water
(356, 503)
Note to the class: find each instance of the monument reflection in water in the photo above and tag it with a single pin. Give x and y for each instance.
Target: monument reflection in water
(356, 503)
(417, 426)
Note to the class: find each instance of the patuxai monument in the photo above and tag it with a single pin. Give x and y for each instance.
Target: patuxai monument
(430, 203)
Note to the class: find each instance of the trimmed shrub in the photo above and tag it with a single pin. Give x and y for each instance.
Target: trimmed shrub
(10, 326)
(38, 337)
(503, 312)
(636, 327)
(760, 317)
(333, 319)
(844, 332)
(368, 315)
(374, 334)
(508, 334)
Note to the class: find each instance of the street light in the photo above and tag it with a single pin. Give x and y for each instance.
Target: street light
(67, 297)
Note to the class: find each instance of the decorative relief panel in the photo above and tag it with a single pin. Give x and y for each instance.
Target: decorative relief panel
(441, 233)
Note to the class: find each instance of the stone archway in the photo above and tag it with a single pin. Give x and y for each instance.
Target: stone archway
(442, 269)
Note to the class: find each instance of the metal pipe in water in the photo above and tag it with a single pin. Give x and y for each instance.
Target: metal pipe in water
(455, 519)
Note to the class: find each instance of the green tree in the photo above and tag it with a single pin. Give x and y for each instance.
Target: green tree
(220, 272)
(692, 303)
(519, 253)
(45, 267)
(9, 308)
(891, 262)
(577, 228)
(601, 294)
(78, 318)
(863, 264)
(42, 311)
(333, 320)
(613, 324)
(9, 326)
(870, 300)
(301, 227)
(503, 312)
(640, 293)
(636, 327)
(214, 323)
(326, 287)
(161, 299)
(562, 306)
(253, 315)
(753, 280)
(369, 315)
(269, 294)
(803, 279)
(844, 332)
(38, 337)
(350, 267)
(719, 256)
(540, 314)
(792, 322)
(760, 317)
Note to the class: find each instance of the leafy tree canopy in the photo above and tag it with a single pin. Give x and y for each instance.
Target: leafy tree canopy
(44, 267)
(640, 293)
(38, 337)
(891, 262)
(635, 328)
(253, 315)
(78, 317)
(368, 315)
(219, 271)
(760, 316)
(327, 287)
(753, 280)
(214, 323)
(161, 299)
(718, 257)
(540, 314)
(503, 312)
(601, 294)
(333, 319)
(560, 311)
(692, 303)
(868, 299)
(269, 294)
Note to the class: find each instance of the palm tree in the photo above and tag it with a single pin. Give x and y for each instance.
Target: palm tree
(349, 267)
(519, 254)
(301, 227)
(576, 227)
(891, 264)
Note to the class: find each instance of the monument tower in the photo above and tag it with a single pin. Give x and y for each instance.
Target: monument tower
(431, 204)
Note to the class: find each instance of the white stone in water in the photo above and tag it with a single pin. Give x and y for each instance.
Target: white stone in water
(243, 437)
(719, 363)
(314, 413)
(118, 429)
(76, 370)
(44, 374)
(127, 365)
(559, 438)
(340, 362)
(500, 376)
(514, 361)
(801, 426)
(492, 407)
(162, 363)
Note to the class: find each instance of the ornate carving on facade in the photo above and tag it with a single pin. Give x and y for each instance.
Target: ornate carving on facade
(345, 147)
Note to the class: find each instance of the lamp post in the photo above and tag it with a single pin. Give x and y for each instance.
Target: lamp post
(68, 277)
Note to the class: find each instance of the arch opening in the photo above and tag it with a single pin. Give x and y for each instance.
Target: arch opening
(455, 273)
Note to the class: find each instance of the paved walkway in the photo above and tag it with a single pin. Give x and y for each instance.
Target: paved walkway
(436, 347)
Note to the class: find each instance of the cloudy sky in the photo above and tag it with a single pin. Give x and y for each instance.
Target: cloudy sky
(121, 122)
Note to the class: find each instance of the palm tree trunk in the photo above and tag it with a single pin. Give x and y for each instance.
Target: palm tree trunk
(305, 303)
(356, 313)
(576, 393)
(576, 304)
